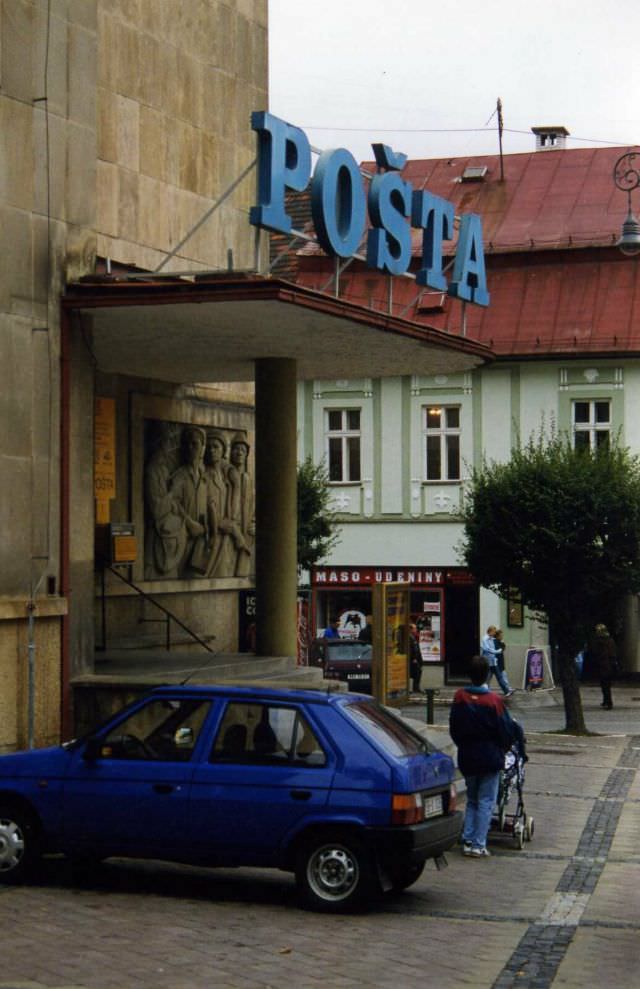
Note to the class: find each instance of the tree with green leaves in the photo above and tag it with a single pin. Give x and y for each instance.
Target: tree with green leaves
(562, 526)
(317, 523)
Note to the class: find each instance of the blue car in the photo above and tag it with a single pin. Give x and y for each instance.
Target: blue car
(330, 786)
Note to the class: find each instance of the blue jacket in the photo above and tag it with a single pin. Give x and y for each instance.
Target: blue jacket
(489, 650)
(482, 729)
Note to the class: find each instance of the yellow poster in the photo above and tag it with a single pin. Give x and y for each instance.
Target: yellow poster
(104, 456)
(391, 643)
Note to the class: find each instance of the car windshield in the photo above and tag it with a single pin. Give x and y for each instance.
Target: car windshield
(389, 731)
(348, 652)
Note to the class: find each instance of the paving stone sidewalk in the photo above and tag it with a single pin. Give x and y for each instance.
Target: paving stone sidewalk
(563, 911)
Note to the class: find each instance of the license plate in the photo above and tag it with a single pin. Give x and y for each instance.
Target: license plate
(357, 676)
(433, 805)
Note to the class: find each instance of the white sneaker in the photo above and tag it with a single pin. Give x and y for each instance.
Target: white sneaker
(466, 848)
(480, 853)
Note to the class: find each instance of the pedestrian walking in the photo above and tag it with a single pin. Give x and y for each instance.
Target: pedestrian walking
(492, 653)
(415, 659)
(482, 729)
(498, 641)
(605, 657)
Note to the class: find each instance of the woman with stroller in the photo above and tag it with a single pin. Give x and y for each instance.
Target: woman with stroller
(483, 731)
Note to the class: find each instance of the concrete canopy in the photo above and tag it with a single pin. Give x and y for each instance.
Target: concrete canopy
(215, 328)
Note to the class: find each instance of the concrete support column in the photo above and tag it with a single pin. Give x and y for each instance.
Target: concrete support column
(276, 511)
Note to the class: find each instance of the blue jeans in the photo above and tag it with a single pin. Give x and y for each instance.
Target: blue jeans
(482, 792)
(501, 677)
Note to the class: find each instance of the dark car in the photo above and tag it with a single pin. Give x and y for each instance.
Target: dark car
(344, 659)
(325, 784)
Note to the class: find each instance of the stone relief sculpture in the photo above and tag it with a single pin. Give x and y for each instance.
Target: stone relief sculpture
(199, 505)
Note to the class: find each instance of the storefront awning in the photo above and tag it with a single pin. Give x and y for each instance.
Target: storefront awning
(214, 329)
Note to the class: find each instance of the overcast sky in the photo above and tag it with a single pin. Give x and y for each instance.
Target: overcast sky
(350, 72)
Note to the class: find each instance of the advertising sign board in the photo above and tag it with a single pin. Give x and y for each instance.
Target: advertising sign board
(391, 643)
(340, 205)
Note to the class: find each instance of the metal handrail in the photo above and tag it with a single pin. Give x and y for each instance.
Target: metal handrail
(169, 614)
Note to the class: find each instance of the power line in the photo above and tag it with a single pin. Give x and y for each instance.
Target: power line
(455, 130)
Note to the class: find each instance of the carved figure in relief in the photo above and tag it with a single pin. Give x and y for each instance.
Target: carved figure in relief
(241, 504)
(165, 532)
(190, 488)
(221, 548)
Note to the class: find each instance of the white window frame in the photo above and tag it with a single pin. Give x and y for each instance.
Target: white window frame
(344, 434)
(592, 427)
(444, 431)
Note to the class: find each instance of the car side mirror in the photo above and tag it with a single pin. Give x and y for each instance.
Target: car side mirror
(92, 750)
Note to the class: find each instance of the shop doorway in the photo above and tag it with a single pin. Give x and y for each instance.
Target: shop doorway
(462, 614)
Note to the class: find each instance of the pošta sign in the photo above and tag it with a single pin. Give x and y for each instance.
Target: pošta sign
(339, 204)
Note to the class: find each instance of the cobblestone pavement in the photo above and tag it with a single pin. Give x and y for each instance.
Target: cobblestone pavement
(563, 911)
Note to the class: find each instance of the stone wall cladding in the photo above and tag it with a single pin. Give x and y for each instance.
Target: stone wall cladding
(176, 86)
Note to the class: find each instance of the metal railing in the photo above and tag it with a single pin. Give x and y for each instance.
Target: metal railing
(168, 615)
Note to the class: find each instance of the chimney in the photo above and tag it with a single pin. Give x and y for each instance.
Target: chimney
(550, 138)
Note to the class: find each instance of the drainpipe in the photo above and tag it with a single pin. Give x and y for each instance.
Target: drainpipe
(31, 672)
(31, 663)
(66, 725)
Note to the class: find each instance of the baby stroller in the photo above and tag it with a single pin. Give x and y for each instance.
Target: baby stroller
(518, 824)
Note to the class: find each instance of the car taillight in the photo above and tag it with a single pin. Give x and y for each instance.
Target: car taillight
(407, 808)
(453, 798)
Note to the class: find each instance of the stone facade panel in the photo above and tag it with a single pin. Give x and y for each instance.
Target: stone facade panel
(128, 66)
(17, 269)
(153, 218)
(153, 143)
(107, 126)
(57, 84)
(49, 170)
(17, 49)
(83, 13)
(82, 71)
(128, 130)
(128, 205)
(107, 41)
(16, 180)
(81, 175)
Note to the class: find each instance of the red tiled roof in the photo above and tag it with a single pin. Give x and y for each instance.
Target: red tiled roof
(558, 285)
(547, 199)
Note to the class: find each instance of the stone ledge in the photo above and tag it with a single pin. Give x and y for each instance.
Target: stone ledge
(17, 608)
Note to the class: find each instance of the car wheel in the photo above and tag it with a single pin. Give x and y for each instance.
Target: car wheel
(402, 878)
(333, 873)
(17, 844)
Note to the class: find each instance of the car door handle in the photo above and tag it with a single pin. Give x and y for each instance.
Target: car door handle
(301, 794)
(163, 788)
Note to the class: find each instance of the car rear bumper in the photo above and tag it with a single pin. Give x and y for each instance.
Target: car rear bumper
(415, 843)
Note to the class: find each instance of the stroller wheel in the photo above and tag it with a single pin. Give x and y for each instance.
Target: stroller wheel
(518, 835)
(529, 828)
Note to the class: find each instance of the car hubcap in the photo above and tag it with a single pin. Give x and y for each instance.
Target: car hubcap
(11, 845)
(333, 873)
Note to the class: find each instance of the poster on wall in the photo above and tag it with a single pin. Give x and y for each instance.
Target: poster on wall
(429, 636)
(350, 623)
